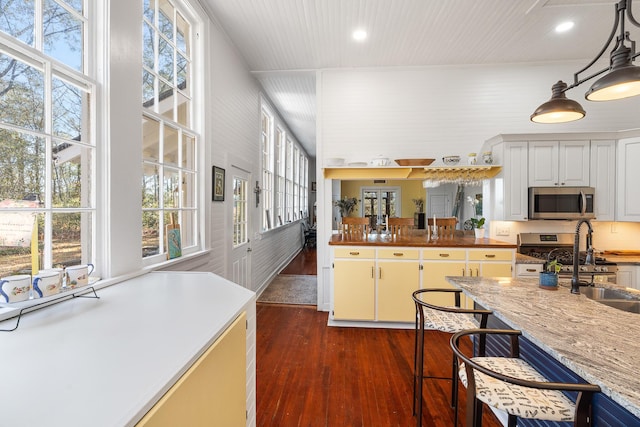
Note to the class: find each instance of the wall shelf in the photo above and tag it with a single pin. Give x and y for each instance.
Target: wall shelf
(435, 173)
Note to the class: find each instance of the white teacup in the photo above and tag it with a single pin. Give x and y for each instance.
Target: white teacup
(47, 282)
(15, 288)
(78, 275)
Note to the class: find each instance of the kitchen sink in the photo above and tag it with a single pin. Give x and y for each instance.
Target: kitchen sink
(613, 298)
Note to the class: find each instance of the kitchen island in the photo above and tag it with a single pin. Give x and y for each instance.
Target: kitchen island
(149, 349)
(596, 342)
(374, 276)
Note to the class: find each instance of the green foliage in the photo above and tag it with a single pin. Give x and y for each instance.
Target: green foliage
(477, 222)
(553, 266)
(346, 205)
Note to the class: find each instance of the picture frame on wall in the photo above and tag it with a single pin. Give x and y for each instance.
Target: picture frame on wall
(217, 175)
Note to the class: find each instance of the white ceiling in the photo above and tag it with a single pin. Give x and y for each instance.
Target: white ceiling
(285, 41)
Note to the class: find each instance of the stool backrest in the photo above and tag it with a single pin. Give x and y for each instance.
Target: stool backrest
(355, 226)
(401, 227)
(446, 226)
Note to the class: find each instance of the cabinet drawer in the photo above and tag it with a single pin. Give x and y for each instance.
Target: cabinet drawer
(528, 270)
(490, 255)
(444, 254)
(398, 253)
(354, 253)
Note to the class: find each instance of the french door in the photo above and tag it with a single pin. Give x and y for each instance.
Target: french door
(380, 202)
(241, 244)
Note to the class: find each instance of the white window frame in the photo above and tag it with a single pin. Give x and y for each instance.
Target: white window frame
(268, 166)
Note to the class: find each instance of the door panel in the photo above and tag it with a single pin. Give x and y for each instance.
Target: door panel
(240, 224)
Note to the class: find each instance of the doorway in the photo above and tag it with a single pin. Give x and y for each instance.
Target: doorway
(240, 219)
(380, 202)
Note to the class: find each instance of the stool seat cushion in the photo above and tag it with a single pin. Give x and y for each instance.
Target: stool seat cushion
(446, 321)
(517, 400)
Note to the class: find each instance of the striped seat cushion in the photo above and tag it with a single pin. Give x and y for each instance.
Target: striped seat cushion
(448, 322)
(520, 401)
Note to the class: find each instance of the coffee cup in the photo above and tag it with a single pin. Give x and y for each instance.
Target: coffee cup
(47, 282)
(15, 288)
(78, 275)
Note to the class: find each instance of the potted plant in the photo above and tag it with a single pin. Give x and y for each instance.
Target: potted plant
(549, 277)
(419, 204)
(478, 227)
(346, 205)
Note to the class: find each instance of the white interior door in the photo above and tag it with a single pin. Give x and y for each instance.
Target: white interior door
(241, 228)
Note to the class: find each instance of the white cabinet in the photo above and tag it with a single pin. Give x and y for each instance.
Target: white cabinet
(602, 178)
(528, 270)
(506, 194)
(559, 163)
(628, 177)
(628, 275)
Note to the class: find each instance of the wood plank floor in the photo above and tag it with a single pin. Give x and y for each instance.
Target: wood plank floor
(306, 262)
(310, 374)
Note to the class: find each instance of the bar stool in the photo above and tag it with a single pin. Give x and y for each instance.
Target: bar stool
(512, 385)
(433, 317)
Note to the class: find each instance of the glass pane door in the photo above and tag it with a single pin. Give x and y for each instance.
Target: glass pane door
(378, 203)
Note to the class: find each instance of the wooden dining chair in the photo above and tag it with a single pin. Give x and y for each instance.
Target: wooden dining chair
(446, 226)
(401, 227)
(355, 226)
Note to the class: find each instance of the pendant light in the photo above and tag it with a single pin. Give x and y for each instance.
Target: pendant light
(621, 81)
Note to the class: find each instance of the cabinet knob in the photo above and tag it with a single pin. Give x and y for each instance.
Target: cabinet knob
(444, 255)
(490, 255)
(354, 253)
(531, 270)
(398, 254)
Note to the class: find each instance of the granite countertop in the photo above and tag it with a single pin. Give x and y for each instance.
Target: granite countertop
(526, 259)
(623, 259)
(419, 240)
(597, 342)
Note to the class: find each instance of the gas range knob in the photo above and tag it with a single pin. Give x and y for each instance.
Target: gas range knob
(583, 268)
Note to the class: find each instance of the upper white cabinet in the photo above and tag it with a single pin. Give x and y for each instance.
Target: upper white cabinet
(628, 177)
(602, 178)
(559, 163)
(506, 194)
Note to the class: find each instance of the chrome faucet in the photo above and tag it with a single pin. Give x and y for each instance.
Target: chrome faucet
(575, 281)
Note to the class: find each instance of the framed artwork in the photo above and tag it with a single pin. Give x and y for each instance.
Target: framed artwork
(174, 242)
(218, 184)
(313, 186)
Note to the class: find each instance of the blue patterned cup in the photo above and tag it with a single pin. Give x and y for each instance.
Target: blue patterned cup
(15, 288)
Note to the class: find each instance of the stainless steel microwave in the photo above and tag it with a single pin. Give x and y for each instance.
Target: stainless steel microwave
(561, 202)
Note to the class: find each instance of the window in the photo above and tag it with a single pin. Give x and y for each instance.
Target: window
(47, 146)
(240, 212)
(280, 172)
(289, 180)
(266, 135)
(169, 142)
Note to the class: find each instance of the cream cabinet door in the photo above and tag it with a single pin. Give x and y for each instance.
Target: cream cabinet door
(213, 391)
(434, 273)
(353, 289)
(397, 280)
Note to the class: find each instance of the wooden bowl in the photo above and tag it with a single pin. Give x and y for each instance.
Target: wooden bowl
(414, 162)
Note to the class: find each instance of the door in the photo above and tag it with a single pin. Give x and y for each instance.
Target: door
(378, 203)
(240, 223)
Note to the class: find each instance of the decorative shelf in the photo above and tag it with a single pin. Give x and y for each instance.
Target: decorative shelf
(461, 173)
(435, 173)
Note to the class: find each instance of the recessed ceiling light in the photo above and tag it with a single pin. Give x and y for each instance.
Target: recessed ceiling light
(564, 27)
(359, 35)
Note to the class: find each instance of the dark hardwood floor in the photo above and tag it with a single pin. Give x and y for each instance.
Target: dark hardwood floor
(310, 374)
(306, 262)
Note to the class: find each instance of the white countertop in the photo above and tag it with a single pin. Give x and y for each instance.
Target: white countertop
(597, 342)
(105, 362)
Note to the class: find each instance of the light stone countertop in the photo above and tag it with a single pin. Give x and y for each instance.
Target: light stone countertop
(597, 342)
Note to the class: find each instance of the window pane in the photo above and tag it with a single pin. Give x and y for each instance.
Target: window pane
(239, 211)
(15, 243)
(184, 110)
(150, 141)
(149, 9)
(165, 60)
(182, 67)
(150, 186)
(62, 35)
(170, 145)
(68, 104)
(188, 228)
(148, 57)
(75, 4)
(70, 245)
(22, 172)
(148, 91)
(71, 174)
(171, 188)
(188, 152)
(188, 190)
(165, 19)
(22, 94)
(150, 234)
(183, 35)
(17, 20)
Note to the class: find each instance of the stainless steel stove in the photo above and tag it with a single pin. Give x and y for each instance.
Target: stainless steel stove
(550, 246)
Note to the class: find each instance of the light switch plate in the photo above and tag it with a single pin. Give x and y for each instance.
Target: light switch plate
(503, 231)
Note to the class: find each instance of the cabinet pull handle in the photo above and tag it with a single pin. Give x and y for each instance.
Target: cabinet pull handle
(354, 253)
(531, 270)
(444, 255)
(398, 254)
(490, 255)
(477, 272)
(372, 272)
(463, 272)
(379, 272)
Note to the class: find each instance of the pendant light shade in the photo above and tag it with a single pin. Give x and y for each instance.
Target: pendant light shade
(621, 82)
(559, 108)
(621, 79)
